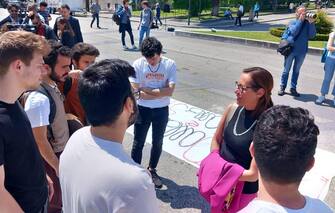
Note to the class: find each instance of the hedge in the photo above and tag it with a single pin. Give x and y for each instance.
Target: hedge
(278, 32)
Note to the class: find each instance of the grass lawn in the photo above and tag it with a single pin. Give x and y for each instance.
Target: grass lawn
(264, 36)
(173, 13)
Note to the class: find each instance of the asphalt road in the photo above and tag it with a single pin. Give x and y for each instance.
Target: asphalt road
(207, 71)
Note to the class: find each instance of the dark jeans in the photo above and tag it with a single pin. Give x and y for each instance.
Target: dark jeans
(256, 14)
(158, 117)
(238, 18)
(123, 29)
(95, 16)
(158, 18)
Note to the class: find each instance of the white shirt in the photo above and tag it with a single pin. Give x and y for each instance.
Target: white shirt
(312, 206)
(155, 77)
(37, 108)
(97, 175)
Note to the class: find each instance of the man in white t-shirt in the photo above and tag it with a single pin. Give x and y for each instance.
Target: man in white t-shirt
(284, 146)
(96, 174)
(45, 110)
(155, 80)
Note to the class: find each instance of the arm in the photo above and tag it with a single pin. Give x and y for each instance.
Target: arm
(159, 92)
(294, 28)
(250, 175)
(331, 42)
(77, 31)
(311, 30)
(217, 138)
(7, 203)
(40, 135)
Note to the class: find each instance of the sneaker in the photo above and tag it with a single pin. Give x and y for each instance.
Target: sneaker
(155, 178)
(134, 47)
(320, 99)
(99, 27)
(294, 92)
(125, 47)
(281, 92)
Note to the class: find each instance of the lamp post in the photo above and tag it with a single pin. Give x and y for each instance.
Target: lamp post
(189, 12)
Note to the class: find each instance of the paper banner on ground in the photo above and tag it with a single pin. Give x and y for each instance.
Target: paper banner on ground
(188, 137)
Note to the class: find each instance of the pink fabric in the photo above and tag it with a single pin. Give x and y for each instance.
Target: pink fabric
(245, 199)
(216, 178)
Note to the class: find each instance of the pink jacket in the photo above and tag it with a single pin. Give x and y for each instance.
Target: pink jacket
(216, 179)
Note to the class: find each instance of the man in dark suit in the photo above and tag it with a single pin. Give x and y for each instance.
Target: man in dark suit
(65, 12)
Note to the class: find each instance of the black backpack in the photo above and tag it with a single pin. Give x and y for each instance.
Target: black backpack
(116, 18)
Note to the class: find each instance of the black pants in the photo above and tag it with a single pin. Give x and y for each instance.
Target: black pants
(123, 29)
(95, 16)
(256, 14)
(238, 18)
(158, 117)
(158, 18)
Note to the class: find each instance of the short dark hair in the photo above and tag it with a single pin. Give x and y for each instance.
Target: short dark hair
(103, 89)
(10, 6)
(43, 4)
(56, 49)
(81, 49)
(151, 46)
(65, 6)
(285, 140)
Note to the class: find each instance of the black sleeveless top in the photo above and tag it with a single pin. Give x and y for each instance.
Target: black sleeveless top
(236, 143)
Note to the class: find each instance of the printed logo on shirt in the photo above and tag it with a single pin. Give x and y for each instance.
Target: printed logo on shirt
(154, 76)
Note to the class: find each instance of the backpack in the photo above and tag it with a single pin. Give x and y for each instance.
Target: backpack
(116, 18)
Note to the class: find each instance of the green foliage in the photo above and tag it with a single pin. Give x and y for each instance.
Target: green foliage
(278, 32)
(196, 5)
(323, 23)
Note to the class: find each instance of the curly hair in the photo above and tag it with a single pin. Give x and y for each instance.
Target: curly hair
(285, 140)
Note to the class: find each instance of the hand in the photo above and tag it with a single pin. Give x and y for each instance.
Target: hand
(75, 74)
(302, 16)
(50, 187)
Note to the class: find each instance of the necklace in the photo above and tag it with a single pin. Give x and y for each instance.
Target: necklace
(159, 64)
(235, 125)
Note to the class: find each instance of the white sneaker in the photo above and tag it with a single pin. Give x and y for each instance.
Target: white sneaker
(320, 99)
(125, 47)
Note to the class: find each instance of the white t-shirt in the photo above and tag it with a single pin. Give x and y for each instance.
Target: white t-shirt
(37, 107)
(97, 175)
(241, 8)
(159, 76)
(312, 206)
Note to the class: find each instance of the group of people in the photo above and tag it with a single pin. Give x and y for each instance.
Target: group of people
(66, 29)
(62, 131)
(147, 18)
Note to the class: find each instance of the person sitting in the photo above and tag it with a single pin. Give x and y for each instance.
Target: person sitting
(227, 14)
(283, 147)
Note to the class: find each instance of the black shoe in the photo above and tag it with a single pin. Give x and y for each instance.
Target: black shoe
(281, 92)
(294, 92)
(99, 27)
(155, 178)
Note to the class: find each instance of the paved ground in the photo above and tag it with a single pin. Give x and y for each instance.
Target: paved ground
(207, 71)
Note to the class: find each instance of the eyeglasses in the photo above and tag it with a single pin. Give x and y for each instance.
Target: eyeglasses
(137, 94)
(242, 88)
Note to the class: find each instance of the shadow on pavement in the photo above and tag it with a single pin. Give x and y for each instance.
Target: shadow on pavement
(181, 197)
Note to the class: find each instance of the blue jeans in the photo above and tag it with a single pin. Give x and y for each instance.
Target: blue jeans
(298, 60)
(329, 73)
(158, 117)
(143, 30)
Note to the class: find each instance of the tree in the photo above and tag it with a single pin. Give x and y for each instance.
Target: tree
(215, 7)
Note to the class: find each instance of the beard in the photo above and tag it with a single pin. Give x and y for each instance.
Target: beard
(133, 116)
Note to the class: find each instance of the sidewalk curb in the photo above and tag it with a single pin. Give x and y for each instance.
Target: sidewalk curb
(242, 41)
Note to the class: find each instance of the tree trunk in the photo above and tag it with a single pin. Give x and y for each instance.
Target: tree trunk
(274, 5)
(215, 7)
